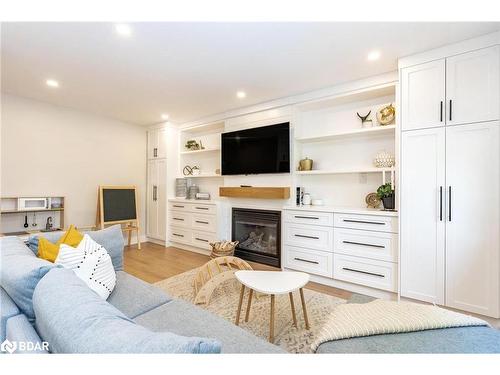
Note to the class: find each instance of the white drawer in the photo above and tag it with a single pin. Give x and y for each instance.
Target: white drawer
(180, 235)
(309, 236)
(180, 219)
(367, 244)
(176, 206)
(366, 222)
(201, 208)
(309, 217)
(207, 223)
(311, 261)
(203, 239)
(373, 273)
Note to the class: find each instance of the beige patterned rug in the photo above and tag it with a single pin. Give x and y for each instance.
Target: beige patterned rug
(224, 303)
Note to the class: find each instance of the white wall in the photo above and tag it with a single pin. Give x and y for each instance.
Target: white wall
(51, 150)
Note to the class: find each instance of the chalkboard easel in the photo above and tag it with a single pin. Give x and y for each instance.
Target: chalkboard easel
(118, 205)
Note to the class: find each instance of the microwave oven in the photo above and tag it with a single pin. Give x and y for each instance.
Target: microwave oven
(32, 204)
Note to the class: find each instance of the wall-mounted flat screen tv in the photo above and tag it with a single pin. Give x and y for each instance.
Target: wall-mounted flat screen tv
(258, 150)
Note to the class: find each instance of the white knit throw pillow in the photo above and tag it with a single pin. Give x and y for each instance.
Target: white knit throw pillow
(91, 263)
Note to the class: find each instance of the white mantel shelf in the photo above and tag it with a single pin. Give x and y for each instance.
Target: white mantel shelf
(376, 130)
(343, 210)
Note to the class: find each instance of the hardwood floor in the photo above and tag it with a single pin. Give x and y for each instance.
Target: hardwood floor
(155, 262)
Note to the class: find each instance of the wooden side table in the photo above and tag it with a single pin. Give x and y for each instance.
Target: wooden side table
(272, 283)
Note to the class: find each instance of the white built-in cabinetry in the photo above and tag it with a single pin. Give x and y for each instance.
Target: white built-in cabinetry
(449, 181)
(355, 247)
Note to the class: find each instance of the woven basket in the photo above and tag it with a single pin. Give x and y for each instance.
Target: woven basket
(223, 248)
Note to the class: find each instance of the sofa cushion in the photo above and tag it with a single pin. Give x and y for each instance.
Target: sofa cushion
(21, 332)
(73, 319)
(8, 309)
(20, 272)
(134, 297)
(48, 250)
(448, 340)
(111, 238)
(183, 318)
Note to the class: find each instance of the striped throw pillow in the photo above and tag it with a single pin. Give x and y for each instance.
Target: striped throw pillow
(91, 263)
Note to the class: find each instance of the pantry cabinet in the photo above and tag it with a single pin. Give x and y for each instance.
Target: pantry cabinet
(157, 200)
(157, 143)
(454, 90)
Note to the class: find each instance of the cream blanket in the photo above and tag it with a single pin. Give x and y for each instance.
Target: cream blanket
(382, 317)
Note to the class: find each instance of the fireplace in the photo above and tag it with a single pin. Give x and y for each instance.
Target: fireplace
(259, 235)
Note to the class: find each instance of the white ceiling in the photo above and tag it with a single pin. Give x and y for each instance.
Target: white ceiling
(192, 70)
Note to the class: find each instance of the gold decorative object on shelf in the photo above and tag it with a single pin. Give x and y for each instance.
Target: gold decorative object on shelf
(372, 200)
(386, 115)
(305, 164)
(384, 160)
(192, 145)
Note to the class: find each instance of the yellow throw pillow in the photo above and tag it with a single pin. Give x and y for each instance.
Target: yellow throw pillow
(49, 251)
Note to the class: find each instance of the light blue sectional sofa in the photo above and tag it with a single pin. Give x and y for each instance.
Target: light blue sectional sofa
(41, 302)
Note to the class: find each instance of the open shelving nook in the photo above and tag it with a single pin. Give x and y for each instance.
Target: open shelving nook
(329, 132)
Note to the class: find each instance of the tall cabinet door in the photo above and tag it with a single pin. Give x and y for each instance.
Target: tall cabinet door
(152, 143)
(472, 86)
(423, 95)
(152, 206)
(472, 227)
(162, 143)
(161, 199)
(422, 214)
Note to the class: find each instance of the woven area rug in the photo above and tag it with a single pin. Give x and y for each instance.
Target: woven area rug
(224, 303)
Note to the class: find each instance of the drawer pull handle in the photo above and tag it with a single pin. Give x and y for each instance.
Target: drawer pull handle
(201, 222)
(202, 208)
(177, 218)
(304, 236)
(305, 260)
(364, 244)
(364, 272)
(177, 206)
(363, 222)
(307, 217)
(178, 235)
(200, 239)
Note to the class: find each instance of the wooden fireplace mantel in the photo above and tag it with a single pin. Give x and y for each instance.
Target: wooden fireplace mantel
(255, 192)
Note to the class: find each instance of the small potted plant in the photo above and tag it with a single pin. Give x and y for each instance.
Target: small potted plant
(386, 194)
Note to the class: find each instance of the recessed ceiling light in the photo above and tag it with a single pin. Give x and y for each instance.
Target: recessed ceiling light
(164, 116)
(374, 55)
(241, 94)
(123, 29)
(52, 83)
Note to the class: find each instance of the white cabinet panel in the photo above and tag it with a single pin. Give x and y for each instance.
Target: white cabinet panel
(207, 223)
(472, 226)
(157, 144)
(203, 239)
(157, 199)
(309, 236)
(180, 219)
(309, 217)
(473, 86)
(307, 260)
(366, 244)
(422, 214)
(366, 222)
(152, 206)
(180, 235)
(423, 95)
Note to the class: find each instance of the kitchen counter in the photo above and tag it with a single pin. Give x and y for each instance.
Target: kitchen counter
(345, 210)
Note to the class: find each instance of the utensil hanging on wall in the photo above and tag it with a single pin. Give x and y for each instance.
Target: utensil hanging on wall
(26, 221)
(34, 224)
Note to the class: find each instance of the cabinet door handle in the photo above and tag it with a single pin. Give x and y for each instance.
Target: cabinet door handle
(201, 239)
(364, 272)
(202, 208)
(305, 260)
(307, 217)
(177, 218)
(155, 198)
(441, 112)
(155, 152)
(440, 203)
(451, 109)
(449, 203)
(178, 235)
(177, 206)
(363, 222)
(364, 244)
(304, 236)
(201, 222)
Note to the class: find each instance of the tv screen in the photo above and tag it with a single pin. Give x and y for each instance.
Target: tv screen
(258, 150)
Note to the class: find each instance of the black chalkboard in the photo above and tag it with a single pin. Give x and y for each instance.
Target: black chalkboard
(118, 204)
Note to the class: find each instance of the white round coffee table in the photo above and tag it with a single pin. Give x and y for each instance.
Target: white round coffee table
(272, 283)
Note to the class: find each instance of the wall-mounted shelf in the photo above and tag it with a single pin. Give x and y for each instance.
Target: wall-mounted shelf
(255, 192)
(345, 171)
(199, 151)
(202, 176)
(28, 211)
(376, 130)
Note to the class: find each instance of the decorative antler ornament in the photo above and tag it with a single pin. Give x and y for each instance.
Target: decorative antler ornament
(364, 118)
